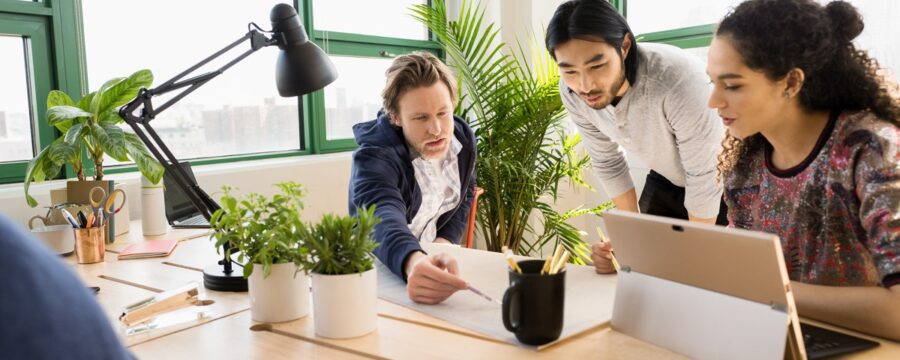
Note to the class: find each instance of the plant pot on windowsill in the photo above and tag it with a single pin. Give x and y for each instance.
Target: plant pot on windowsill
(267, 233)
(345, 300)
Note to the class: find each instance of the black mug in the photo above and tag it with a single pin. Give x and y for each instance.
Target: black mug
(533, 304)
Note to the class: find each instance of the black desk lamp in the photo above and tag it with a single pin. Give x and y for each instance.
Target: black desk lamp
(302, 67)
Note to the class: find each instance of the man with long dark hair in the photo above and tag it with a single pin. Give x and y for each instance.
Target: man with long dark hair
(648, 99)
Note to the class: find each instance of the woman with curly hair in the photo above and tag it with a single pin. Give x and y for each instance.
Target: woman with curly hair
(812, 154)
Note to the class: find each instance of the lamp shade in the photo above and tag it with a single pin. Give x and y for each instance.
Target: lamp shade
(302, 67)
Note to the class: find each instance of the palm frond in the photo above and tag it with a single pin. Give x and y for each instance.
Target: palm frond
(516, 113)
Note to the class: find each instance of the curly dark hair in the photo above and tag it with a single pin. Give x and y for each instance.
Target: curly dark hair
(776, 36)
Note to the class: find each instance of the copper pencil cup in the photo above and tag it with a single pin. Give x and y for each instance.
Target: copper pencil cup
(90, 244)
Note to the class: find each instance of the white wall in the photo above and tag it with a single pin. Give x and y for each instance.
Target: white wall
(325, 177)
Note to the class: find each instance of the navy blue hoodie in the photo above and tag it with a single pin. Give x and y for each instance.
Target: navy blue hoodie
(382, 174)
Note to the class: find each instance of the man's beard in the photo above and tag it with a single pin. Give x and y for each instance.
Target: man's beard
(612, 93)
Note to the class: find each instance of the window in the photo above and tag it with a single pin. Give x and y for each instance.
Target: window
(646, 16)
(15, 114)
(238, 112)
(362, 44)
(379, 18)
(690, 25)
(239, 116)
(29, 72)
(355, 96)
(878, 36)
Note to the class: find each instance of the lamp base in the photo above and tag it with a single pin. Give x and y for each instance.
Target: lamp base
(215, 279)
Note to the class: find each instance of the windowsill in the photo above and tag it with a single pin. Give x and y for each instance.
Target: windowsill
(10, 191)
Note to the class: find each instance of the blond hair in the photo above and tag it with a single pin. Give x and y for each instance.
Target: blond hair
(414, 70)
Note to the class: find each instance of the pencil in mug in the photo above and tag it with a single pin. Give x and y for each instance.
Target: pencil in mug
(509, 259)
(548, 264)
(561, 262)
(612, 256)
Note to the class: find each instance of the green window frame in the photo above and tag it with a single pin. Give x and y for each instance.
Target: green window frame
(356, 45)
(685, 38)
(49, 28)
(55, 32)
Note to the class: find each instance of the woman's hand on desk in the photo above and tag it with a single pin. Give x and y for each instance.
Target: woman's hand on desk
(601, 255)
(432, 278)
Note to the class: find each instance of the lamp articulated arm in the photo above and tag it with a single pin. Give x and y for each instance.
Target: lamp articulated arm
(141, 123)
(301, 68)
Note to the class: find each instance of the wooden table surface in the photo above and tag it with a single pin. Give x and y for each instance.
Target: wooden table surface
(225, 331)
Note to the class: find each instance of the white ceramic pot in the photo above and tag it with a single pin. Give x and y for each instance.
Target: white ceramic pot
(345, 306)
(60, 238)
(279, 297)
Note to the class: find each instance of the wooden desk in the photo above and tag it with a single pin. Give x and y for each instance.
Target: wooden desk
(402, 333)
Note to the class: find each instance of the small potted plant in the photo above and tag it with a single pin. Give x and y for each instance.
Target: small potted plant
(267, 234)
(92, 127)
(345, 299)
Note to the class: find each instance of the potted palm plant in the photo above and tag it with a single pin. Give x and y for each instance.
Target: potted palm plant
(91, 127)
(516, 113)
(345, 299)
(267, 234)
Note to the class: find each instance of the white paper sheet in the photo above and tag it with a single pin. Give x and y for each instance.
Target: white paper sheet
(589, 296)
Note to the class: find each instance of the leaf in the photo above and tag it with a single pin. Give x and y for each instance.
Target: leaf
(35, 172)
(111, 117)
(98, 97)
(57, 98)
(61, 152)
(146, 163)
(111, 140)
(512, 100)
(85, 102)
(57, 114)
(120, 92)
(73, 133)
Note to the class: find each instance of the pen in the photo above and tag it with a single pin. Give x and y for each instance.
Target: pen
(71, 219)
(82, 219)
(479, 293)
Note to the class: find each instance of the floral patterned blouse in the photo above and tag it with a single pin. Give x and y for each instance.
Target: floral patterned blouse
(837, 212)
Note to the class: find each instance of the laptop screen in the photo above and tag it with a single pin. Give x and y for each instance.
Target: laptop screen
(178, 204)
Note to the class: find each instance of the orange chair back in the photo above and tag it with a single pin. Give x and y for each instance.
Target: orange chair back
(470, 231)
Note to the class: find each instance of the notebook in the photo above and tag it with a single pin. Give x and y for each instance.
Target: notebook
(148, 249)
(711, 292)
(180, 211)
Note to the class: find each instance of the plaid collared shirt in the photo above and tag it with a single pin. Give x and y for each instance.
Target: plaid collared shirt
(440, 185)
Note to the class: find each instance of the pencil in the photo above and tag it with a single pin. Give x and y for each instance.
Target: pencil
(612, 256)
(509, 259)
(551, 261)
(562, 262)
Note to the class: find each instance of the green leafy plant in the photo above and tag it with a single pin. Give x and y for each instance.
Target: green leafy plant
(516, 112)
(91, 127)
(341, 245)
(264, 230)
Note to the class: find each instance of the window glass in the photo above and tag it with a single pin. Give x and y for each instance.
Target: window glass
(238, 112)
(879, 37)
(651, 16)
(16, 142)
(368, 17)
(355, 96)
